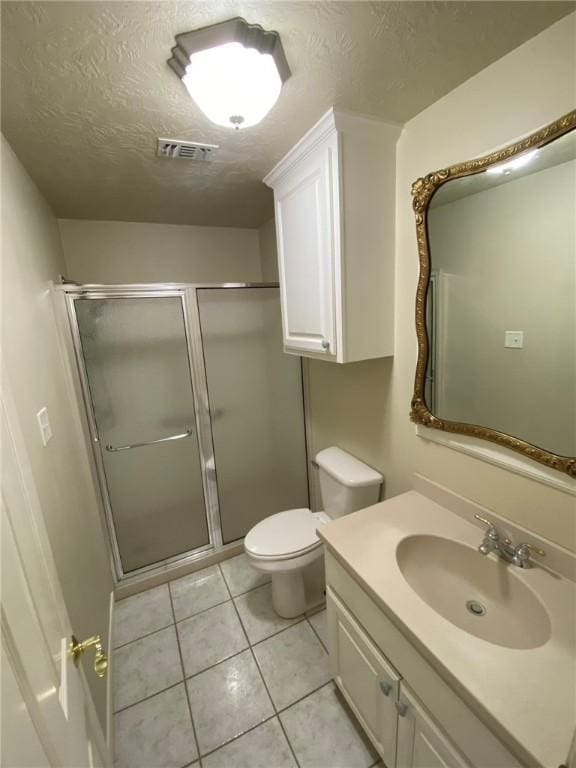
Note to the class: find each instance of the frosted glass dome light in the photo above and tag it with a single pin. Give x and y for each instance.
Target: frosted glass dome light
(233, 71)
(234, 86)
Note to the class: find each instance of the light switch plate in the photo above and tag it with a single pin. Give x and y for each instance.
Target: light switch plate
(44, 425)
(514, 339)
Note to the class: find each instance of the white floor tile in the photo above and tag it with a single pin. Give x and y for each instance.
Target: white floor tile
(227, 700)
(142, 614)
(198, 591)
(156, 732)
(240, 576)
(145, 667)
(293, 664)
(264, 747)
(258, 616)
(210, 637)
(324, 734)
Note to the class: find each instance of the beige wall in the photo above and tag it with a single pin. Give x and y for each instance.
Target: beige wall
(364, 407)
(507, 261)
(36, 373)
(133, 252)
(268, 252)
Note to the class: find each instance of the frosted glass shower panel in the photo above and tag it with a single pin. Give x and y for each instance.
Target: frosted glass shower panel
(256, 406)
(138, 371)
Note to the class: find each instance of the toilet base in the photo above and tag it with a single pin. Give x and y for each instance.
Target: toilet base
(288, 594)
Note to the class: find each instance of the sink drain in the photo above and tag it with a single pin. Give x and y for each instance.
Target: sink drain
(475, 608)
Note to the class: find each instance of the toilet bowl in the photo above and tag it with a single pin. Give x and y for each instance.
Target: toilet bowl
(285, 543)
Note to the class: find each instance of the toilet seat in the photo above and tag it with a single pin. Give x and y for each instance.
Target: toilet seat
(285, 535)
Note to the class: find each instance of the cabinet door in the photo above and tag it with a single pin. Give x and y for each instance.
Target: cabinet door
(421, 744)
(307, 218)
(368, 682)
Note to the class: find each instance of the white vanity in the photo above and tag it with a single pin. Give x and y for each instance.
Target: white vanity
(446, 657)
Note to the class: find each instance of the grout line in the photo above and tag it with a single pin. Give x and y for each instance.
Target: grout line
(239, 736)
(265, 684)
(276, 715)
(297, 701)
(316, 633)
(151, 696)
(217, 663)
(275, 634)
(246, 591)
(252, 589)
(185, 685)
(141, 637)
(198, 613)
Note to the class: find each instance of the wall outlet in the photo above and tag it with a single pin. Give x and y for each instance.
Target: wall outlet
(514, 339)
(44, 425)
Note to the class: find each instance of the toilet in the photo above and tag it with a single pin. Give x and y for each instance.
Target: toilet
(286, 543)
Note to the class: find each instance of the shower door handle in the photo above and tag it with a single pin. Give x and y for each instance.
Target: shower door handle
(113, 449)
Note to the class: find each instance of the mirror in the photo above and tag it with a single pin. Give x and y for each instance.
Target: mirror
(496, 299)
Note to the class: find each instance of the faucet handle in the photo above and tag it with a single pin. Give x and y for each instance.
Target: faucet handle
(527, 550)
(523, 555)
(492, 532)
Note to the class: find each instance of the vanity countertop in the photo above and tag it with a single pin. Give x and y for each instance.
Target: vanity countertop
(527, 696)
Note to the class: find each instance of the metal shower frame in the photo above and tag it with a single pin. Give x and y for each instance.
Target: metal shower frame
(188, 295)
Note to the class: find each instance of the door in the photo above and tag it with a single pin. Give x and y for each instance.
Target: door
(368, 681)
(256, 407)
(421, 743)
(306, 204)
(137, 367)
(48, 718)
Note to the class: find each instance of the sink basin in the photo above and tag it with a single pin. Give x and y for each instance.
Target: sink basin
(481, 595)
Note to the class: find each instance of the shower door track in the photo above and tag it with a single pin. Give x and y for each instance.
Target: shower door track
(187, 292)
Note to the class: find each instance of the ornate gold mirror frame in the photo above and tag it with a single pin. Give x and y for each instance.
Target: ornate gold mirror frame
(422, 192)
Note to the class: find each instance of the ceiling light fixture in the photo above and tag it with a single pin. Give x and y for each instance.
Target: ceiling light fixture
(233, 70)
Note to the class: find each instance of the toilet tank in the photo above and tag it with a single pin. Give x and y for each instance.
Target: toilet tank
(346, 483)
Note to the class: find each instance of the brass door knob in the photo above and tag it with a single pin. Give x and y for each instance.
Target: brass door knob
(100, 659)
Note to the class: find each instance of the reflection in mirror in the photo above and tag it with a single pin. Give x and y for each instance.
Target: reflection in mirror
(500, 309)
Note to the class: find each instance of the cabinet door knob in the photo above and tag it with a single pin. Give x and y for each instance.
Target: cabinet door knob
(325, 344)
(385, 687)
(401, 707)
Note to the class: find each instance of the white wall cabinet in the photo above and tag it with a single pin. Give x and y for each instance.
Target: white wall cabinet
(334, 210)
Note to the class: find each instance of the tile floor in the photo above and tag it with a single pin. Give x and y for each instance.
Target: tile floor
(207, 675)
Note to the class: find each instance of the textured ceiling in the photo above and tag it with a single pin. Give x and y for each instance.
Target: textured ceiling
(86, 91)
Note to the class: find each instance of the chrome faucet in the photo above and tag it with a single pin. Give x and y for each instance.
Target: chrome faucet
(519, 554)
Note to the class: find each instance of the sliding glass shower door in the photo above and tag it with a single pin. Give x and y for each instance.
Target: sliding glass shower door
(256, 407)
(195, 412)
(137, 368)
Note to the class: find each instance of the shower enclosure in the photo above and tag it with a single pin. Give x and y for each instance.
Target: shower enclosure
(196, 416)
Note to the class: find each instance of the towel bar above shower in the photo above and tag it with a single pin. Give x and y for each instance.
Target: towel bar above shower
(113, 449)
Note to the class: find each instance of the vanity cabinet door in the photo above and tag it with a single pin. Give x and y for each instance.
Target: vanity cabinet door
(368, 682)
(306, 219)
(421, 744)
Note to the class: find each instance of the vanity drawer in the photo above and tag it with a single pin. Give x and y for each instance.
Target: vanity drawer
(474, 739)
(370, 685)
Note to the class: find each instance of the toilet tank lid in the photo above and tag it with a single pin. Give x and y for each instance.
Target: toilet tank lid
(347, 469)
